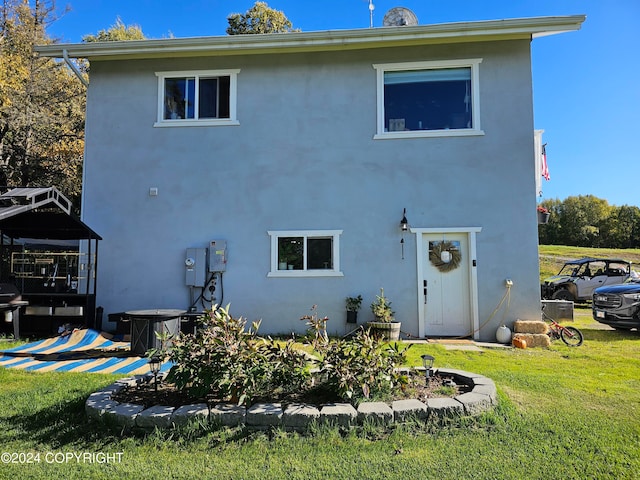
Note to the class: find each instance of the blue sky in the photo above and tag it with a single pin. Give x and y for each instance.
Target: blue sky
(586, 93)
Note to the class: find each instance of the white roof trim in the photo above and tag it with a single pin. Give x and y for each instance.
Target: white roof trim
(519, 28)
(419, 231)
(26, 199)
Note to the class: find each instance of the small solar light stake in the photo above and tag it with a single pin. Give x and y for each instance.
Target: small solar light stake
(155, 362)
(427, 363)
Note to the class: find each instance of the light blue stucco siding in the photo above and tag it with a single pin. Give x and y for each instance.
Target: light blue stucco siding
(304, 158)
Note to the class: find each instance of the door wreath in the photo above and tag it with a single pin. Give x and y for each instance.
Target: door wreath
(442, 251)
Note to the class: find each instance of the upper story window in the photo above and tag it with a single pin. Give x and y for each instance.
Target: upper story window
(305, 253)
(428, 99)
(197, 98)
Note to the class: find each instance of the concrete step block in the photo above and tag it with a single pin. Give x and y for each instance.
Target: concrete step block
(339, 414)
(404, 410)
(264, 415)
(228, 414)
(474, 403)
(156, 416)
(186, 413)
(123, 414)
(378, 413)
(299, 416)
(445, 407)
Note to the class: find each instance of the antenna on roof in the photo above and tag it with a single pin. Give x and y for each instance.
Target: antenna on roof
(371, 9)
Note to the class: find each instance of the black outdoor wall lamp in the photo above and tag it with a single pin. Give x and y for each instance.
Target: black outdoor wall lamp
(404, 226)
(404, 223)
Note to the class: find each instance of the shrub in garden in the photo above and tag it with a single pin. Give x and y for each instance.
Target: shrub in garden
(229, 360)
(316, 328)
(290, 366)
(362, 367)
(225, 358)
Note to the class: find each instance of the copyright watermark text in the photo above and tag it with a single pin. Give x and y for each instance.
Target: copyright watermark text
(61, 457)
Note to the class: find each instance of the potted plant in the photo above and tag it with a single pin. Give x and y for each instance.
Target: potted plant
(289, 254)
(384, 323)
(543, 215)
(353, 305)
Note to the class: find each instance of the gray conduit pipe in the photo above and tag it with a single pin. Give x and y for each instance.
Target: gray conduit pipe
(73, 67)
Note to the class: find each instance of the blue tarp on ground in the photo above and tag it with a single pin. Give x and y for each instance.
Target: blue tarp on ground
(81, 351)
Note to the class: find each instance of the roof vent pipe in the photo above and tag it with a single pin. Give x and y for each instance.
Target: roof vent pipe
(73, 67)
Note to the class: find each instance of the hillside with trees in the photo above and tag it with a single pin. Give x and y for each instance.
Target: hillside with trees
(588, 221)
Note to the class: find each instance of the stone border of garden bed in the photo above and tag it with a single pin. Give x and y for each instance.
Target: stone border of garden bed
(298, 417)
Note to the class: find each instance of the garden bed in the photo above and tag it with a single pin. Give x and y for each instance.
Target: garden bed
(439, 386)
(134, 403)
(262, 383)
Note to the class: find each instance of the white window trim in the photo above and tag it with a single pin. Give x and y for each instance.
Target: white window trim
(209, 122)
(474, 63)
(335, 272)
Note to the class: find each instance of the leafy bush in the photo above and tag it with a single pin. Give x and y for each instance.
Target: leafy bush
(231, 361)
(362, 367)
(316, 328)
(225, 358)
(290, 366)
(353, 303)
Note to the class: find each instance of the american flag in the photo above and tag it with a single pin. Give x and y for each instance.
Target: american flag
(545, 167)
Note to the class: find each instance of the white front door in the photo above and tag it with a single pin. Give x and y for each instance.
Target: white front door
(446, 265)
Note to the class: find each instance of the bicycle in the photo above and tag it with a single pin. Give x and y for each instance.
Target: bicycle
(569, 335)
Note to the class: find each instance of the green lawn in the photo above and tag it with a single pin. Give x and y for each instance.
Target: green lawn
(563, 413)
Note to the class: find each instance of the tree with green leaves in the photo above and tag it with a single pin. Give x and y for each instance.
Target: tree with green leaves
(117, 32)
(622, 228)
(259, 19)
(581, 217)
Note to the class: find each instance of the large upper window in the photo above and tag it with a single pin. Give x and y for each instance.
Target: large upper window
(197, 98)
(428, 99)
(305, 253)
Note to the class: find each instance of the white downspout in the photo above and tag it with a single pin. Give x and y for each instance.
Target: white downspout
(73, 67)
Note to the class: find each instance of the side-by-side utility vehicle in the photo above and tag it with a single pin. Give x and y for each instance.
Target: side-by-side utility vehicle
(578, 279)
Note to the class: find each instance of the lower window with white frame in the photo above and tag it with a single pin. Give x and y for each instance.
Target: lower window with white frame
(305, 253)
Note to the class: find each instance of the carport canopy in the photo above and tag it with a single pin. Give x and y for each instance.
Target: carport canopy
(41, 213)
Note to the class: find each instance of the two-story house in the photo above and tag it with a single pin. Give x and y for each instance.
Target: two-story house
(300, 154)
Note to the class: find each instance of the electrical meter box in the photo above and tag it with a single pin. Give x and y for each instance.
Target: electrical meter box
(217, 256)
(196, 264)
